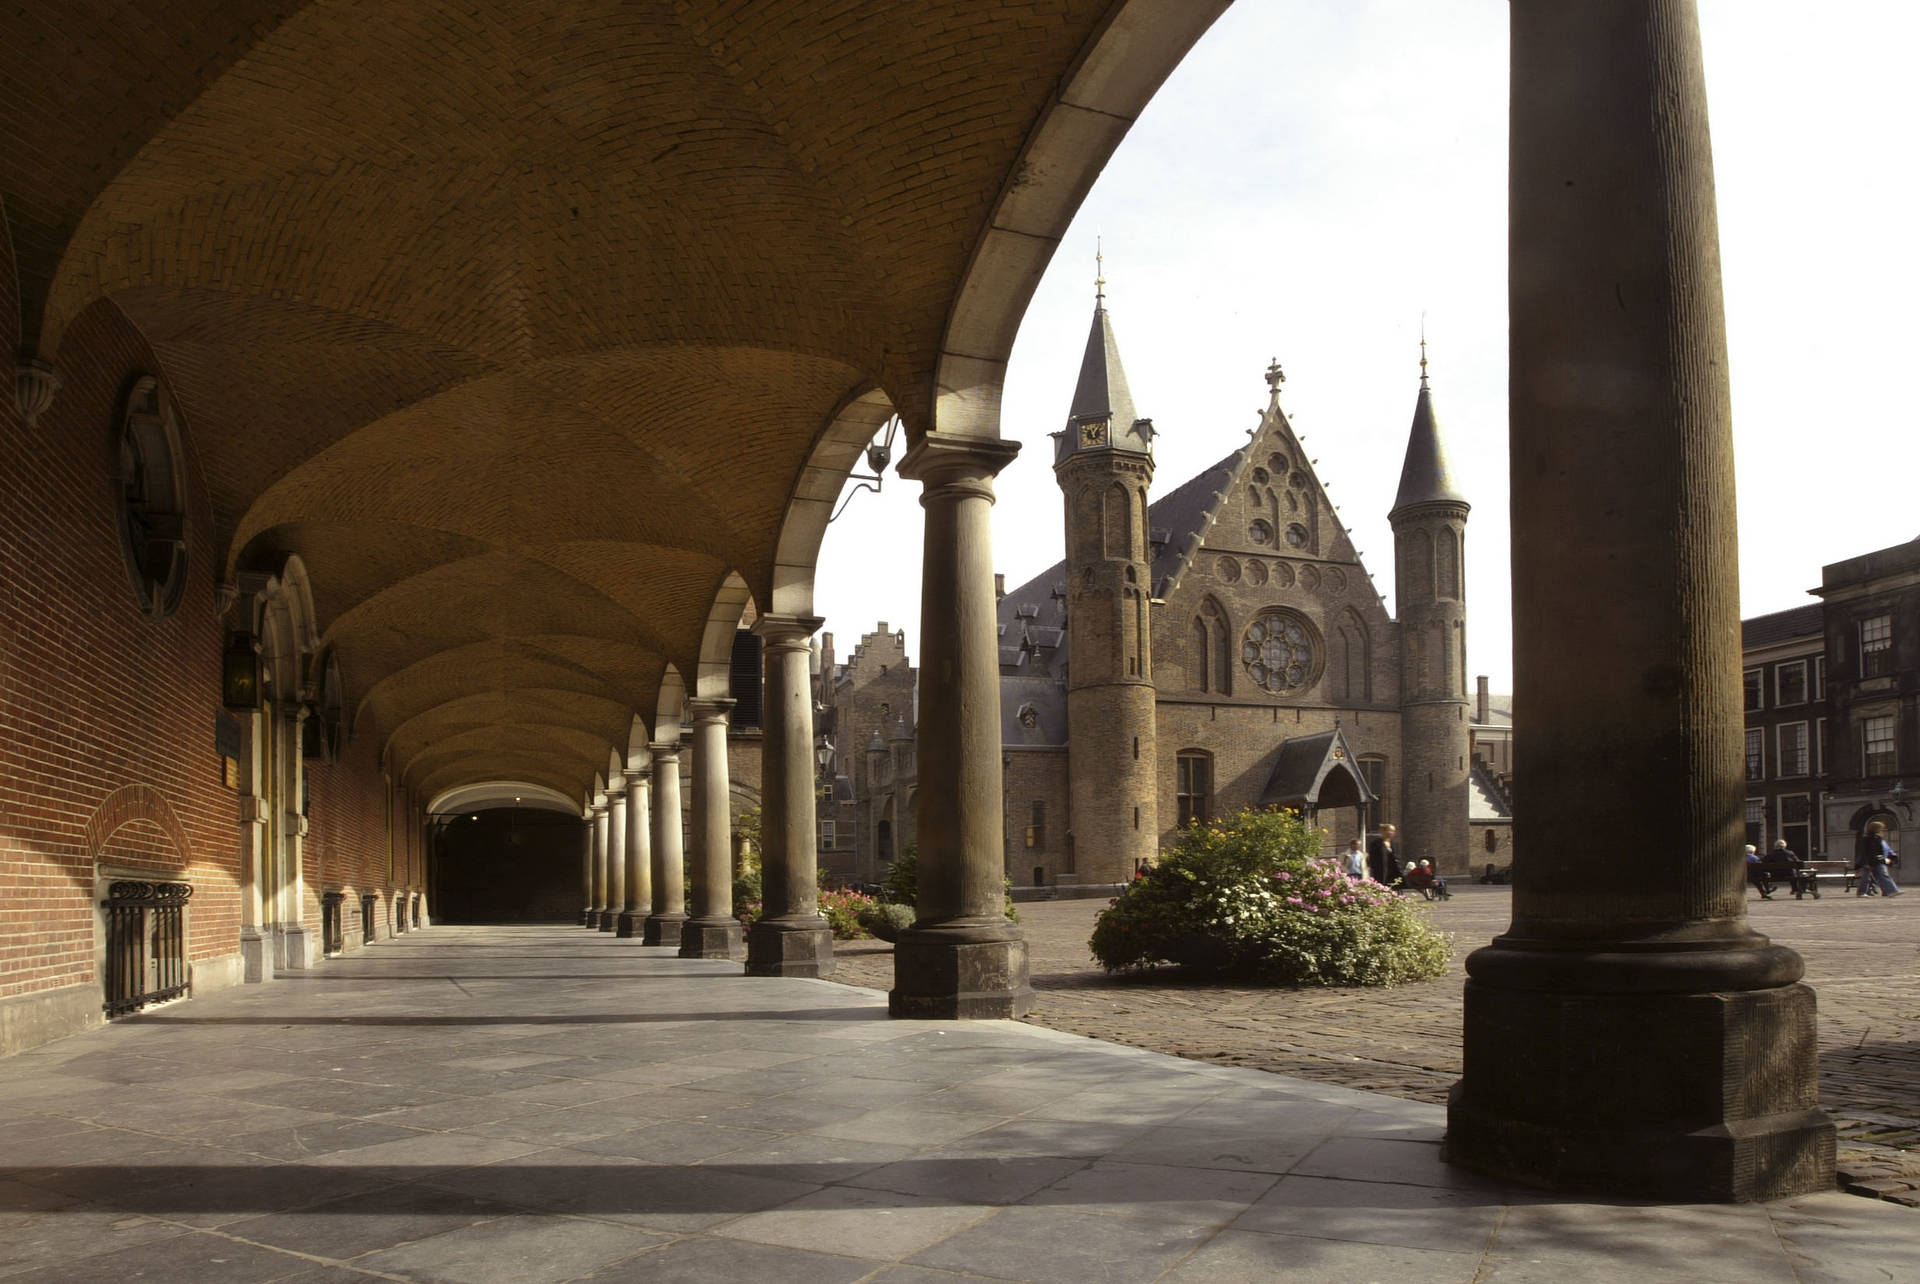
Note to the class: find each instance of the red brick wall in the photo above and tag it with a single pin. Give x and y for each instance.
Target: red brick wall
(346, 843)
(107, 716)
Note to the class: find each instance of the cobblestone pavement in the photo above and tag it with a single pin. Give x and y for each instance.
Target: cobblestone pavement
(1861, 957)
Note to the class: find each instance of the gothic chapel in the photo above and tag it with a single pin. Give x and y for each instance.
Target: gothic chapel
(1223, 647)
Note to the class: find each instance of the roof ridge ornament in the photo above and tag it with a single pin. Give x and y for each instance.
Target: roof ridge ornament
(1423, 349)
(1099, 273)
(1275, 376)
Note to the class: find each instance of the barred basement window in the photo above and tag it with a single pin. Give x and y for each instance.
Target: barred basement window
(151, 489)
(146, 944)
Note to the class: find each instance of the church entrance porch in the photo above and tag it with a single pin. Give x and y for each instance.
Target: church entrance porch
(622, 1114)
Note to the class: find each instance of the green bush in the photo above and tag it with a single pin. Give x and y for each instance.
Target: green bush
(886, 920)
(901, 883)
(1249, 898)
(843, 910)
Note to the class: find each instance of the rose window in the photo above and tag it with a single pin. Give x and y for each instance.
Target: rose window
(1281, 651)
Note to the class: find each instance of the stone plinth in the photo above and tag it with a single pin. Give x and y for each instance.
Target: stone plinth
(953, 973)
(663, 929)
(710, 938)
(800, 948)
(630, 925)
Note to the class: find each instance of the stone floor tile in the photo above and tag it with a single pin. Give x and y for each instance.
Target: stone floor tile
(1058, 1246)
(195, 1257)
(819, 1160)
(706, 1261)
(1410, 1163)
(905, 1122)
(881, 1225)
(1454, 1221)
(346, 1228)
(422, 1154)
(653, 1196)
(1243, 1257)
(72, 1233)
(1197, 1196)
(322, 1138)
(1246, 1152)
(977, 1180)
(1655, 1243)
(526, 1249)
(675, 1143)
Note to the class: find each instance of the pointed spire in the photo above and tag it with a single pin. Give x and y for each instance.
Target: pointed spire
(1102, 415)
(1425, 477)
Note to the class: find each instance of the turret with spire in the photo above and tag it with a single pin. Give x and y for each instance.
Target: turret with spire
(1104, 464)
(1429, 518)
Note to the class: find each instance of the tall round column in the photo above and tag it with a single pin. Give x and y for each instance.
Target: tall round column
(589, 916)
(669, 881)
(790, 938)
(599, 810)
(633, 915)
(713, 932)
(962, 957)
(1630, 1033)
(616, 853)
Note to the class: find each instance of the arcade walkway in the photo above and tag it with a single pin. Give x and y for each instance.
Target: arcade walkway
(546, 1104)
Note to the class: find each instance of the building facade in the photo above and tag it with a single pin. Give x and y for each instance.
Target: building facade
(1872, 641)
(1785, 696)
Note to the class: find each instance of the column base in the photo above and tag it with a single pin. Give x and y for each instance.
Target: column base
(790, 947)
(663, 929)
(292, 948)
(630, 924)
(590, 918)
(609, 919)
(710, 938)
(960, 973)
(1673, 1096)
(256, 957)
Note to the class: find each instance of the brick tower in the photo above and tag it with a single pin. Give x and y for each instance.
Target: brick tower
(1104, 464)
(1429, 519)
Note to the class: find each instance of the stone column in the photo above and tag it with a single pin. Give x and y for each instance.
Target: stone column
(599, 810)
(713, 932)
(295, 946)
(791, 938)
(633, 917)
(669, 882)
(589, 917)
(1630, 1033)
(616, 854)
(962, 957)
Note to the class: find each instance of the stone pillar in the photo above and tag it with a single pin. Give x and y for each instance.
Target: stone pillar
(713, 932)
(962, 957)
(633, 916)
(589, 917)
(294, 947)
(1630, 1033)
(791, 938)
(616, 854)
(669, 882)
(599, 810)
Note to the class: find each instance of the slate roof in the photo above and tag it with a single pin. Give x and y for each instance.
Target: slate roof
(1304, 764)
(1425, 476)
(1782, 626)
(1102, 395)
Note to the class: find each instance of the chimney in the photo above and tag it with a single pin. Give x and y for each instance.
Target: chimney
(1483, 712)
(999, 585)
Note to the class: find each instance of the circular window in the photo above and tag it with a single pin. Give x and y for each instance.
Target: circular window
(1336, 579)
(152, 498)
(1281, 650)
(1261, 532)
(1297, 535)
(1277, 462)
(1283, 575)
(1261, 476)
(1309, 578)
(1229, 570)
(1256, 572)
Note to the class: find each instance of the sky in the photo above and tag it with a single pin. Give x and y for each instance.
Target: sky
(1316, 177)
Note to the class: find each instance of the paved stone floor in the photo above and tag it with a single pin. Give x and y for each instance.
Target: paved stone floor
(1862, 955)
(547, 1104)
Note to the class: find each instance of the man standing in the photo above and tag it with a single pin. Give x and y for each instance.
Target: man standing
(1382, 862)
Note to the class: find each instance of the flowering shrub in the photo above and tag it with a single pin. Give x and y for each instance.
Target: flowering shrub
(842, 910)
(1249, 898)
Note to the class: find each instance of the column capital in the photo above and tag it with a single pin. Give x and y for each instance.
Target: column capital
(597, 807)
(34, 384)
(664, 751)
(787, 630)
(709, 708)
(961, 464)
(636, 775)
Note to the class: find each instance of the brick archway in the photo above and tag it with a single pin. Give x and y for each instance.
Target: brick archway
(128, 804)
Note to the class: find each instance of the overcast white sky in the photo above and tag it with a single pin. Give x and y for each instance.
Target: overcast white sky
(1316, 175)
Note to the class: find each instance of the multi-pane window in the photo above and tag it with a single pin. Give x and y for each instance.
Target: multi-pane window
(1819, 746)
(1876, 646)
(1756, 821)
(1193, 787)
(1790, 683)
(1796, 822)
(827, 829)
(1819, 677)
(1791, 759)
(1756, 759)
(1877, 737)
(1374, 772)
(1756, 690)
(1037, 826)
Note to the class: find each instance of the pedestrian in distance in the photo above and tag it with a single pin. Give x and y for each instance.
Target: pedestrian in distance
(1873, 857)
(1784, 866)
(1757, 874)
(1383, 863)
(1356, 861)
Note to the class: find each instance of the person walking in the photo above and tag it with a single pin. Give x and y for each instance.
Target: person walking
(1382, 863)
(1356, 861)
(1873, 858)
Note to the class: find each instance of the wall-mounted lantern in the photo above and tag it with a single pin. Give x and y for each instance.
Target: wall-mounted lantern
(240, 673)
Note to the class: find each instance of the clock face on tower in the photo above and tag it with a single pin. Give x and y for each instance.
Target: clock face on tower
(1093, 434)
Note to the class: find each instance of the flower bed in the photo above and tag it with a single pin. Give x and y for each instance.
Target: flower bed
(1249, 898)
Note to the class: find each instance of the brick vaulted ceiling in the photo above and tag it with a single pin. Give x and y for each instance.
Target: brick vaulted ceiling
(518, 320)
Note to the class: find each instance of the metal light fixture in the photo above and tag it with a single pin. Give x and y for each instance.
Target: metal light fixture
(879, 455)
(240, 673)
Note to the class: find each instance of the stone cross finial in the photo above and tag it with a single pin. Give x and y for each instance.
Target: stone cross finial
(1275, 375)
